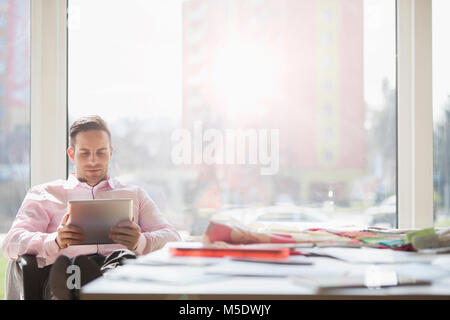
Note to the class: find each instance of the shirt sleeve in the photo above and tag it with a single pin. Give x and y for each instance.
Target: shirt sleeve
(28, 231)
(156, 231)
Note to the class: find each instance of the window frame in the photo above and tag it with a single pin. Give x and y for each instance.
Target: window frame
(49, 121)
(48, 91)
(414, 114)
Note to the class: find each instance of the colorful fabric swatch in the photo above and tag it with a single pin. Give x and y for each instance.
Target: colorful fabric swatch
(376, 239)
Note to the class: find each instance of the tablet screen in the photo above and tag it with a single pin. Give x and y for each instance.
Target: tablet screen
(96, 217)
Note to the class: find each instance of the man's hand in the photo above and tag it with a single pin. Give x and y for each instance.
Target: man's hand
(126, 233)
(68, 234)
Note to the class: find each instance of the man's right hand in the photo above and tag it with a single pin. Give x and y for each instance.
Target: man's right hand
(68, 235)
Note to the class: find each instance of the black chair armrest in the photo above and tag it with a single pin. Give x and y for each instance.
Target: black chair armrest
(33, 277)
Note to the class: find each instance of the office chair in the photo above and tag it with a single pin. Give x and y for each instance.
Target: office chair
(33, 278)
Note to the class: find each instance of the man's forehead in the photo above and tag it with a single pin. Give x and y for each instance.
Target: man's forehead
(92, 140)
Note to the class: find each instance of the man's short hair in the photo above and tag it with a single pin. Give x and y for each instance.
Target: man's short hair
(86, 124)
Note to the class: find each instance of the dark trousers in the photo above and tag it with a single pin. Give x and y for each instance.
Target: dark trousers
(113, 260)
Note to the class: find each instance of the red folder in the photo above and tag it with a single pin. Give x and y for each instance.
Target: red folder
(207, 251)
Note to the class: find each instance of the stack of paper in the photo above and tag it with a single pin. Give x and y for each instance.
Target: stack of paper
(371, 255)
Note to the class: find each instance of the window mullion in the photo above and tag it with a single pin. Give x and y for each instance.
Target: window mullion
(415, 114)
(48, 90)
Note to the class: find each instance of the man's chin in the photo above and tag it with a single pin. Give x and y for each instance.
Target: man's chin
(94, 177)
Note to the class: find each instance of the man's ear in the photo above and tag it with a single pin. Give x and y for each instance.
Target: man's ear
(111, 151)
(71, 153)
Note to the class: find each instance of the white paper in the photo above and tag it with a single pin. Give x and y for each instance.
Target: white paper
(422, 271)
(174, 275)
(240, 268)
(373, 255)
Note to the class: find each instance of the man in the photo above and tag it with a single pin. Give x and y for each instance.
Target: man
(42, 225)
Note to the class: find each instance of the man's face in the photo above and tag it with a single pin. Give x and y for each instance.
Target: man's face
(91, 155)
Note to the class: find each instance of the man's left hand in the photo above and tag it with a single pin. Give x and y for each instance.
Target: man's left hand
(126, 233)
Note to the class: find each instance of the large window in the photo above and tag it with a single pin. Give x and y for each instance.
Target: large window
(441, 112)
(264, 110)
(14, 107)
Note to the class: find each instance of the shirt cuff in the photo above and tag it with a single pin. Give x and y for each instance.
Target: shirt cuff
(51, 248)
(142, 242)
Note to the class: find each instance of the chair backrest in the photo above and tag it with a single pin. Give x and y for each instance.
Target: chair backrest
(24, 279)
(13, 283)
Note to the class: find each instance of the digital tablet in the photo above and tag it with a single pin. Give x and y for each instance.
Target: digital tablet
(96, 217)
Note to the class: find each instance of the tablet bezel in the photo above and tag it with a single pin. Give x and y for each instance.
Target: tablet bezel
(91, 232)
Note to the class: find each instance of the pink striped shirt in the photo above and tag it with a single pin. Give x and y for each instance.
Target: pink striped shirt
(35, 227)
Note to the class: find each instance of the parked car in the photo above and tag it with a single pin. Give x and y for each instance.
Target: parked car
(384, 214)
(270, 214)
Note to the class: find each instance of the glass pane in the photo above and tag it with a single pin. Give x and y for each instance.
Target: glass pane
(441, 112)
(14, 108)
(266, 110)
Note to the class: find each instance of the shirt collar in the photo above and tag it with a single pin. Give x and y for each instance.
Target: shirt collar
(73, 182)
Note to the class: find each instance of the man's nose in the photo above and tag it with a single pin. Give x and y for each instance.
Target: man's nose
(93, 158)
